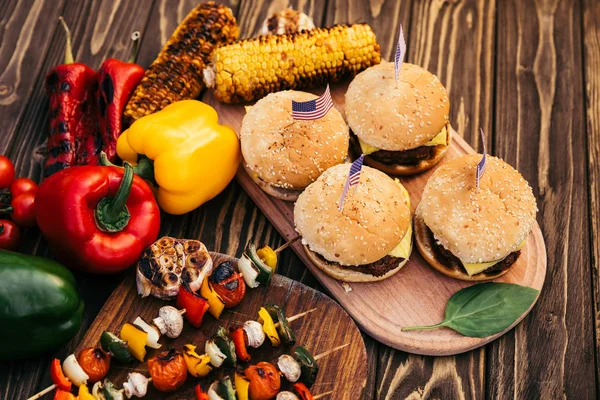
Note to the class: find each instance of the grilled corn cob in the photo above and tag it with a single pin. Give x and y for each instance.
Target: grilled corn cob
(250, 69)
(176, 74)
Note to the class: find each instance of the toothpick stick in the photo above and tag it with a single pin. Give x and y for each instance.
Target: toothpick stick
(328, 352)
(323, 395)
(297, 316)
(287, 244)
(43, 392)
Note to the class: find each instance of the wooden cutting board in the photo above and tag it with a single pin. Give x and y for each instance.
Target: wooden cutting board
(344, 372)
(417, 294)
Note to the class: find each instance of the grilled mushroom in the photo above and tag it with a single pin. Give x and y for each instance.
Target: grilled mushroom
(169, 321)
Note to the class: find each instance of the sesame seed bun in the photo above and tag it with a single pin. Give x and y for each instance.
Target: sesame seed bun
(286, 153)
(477, 224)
(271, 190)
(396, 119)
(373, 221)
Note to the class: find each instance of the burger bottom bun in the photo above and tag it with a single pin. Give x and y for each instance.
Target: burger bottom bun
(277, 192)
(413, 169)
(346, 274)
(426, 244)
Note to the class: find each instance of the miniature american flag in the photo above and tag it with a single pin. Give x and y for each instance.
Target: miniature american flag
(481, 164)
(312, 109)
(353, 178)
(400, 53)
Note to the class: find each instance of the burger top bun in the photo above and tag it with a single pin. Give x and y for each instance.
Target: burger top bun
(372, 222)
(396, 119)
(478, 224)
(288, 153)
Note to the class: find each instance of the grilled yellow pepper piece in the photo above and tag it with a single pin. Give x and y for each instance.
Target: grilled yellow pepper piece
(269, 327)
(242, 387)
(197, 365)
(136, 341)
(268, 256)
(194, 157)
(215, 303)
(84, 393)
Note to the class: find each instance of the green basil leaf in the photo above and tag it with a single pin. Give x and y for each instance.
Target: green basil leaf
(485, 309)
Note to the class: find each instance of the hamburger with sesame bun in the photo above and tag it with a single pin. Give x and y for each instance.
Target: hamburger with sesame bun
(370, 239)
(402, 130)
(473, 233)
(283, 155)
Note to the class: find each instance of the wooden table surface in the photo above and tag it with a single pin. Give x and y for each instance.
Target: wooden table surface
(527, 72)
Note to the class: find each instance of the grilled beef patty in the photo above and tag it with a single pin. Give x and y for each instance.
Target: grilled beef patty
(377, 268)
(405, 157)
(449, 260)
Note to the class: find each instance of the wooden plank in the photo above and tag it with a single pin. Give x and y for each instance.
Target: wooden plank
(540, 130)
(344, 371)
(591, 57)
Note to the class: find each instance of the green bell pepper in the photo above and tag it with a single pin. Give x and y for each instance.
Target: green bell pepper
(40, 308)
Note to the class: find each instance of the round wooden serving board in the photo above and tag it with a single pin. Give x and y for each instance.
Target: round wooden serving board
(344, 372)
(417, 294)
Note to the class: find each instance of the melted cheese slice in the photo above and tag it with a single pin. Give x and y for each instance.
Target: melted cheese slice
(404, 248)
(476, 268)
(440, 139)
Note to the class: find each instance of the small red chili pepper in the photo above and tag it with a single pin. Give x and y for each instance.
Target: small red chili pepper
(64, 395)
(200, 394)
(194, 304)
(117, 80)
(302, 391)
(58, 376)
(73, 134)
(240, 341)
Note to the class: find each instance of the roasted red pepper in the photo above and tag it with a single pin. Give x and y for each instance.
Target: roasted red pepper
(302, 391)
(240, 341)
(229, 284)
(97, 219)
(74, 135)
(194, 304)
(117, 81)
(200, 394)
(64, 395)
(58, 377)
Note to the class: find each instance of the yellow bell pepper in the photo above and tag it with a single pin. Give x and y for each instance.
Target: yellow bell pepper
(197, 365)
(194, 157)
(84, 393)
(269, 327)
(136, 341)
(242, 387)
(268, 256)
(215, 303)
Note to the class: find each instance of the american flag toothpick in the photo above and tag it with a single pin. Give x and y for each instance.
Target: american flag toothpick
(481, 164)
(353, 178)
(312, 109)
(400, 53)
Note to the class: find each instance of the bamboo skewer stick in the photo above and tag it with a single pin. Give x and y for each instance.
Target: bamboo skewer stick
(328, 352)
(43, 392)
(318, 396)
(287, 244)
(297, 316)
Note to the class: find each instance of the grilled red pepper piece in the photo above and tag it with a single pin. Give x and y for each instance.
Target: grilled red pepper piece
(58, 377)
(117, 81)
(73, 133)
(302, 391)
(240, 341)
(97, 219)
(64, 395)
(200, 394)
(194, 304)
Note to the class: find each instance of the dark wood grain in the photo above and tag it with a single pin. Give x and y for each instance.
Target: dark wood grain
(540, 130)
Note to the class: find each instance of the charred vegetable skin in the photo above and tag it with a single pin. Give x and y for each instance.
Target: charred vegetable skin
(195, 305)
(73, 138)
(228, 284)
(40, 308)
(285, 332)
(309, 366)
(176, 74)
(250, 69)
(168, 371)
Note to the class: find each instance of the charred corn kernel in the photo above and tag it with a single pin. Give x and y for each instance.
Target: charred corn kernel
(176, 74)
(250, 69)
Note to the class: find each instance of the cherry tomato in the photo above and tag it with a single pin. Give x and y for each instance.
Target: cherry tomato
(23, 212)
(95, 362)
(7, 172)
(168, 370)
(10, 235)
(23, 185)
(229, 284)
(264, 381)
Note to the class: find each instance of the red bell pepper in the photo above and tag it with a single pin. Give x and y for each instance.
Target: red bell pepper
(117, 81)
(64, 395)
(73, 138)
(200, 394)
(97, 219)
(302, 391)
(240, 341)
(194, 304)
(58, 377)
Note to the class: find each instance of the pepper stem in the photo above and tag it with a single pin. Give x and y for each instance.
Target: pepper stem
(112, 214)
(68, 50)
(144, 168)
(135, 48)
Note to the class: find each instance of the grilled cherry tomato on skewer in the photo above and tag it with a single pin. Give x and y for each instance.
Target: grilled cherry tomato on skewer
(168, 371)
(7, 172)
(228, 284)
(264, 381)
(95, 362)
(10, 235)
